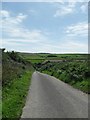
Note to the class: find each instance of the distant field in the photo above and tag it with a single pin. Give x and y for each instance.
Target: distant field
(41, 57)
(34, 57)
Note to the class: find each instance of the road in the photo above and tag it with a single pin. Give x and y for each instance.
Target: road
(49, 97)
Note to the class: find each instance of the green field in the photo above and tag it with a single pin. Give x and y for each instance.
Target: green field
(41, 57)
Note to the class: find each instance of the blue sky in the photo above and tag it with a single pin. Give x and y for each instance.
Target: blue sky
(54, 27)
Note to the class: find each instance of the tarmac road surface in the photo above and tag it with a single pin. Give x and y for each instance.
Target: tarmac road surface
(49, 97)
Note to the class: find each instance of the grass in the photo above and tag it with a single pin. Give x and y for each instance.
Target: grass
(33, 57)
(47, 72)
(47, 56)
(0, 103)
(36, 60)
(14, 96)
(84, 86)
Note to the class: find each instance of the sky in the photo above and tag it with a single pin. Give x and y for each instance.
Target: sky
(47, 27)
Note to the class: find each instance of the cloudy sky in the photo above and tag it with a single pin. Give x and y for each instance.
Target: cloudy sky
(54, 27)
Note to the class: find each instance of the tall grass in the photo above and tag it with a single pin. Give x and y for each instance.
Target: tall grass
(14, 96)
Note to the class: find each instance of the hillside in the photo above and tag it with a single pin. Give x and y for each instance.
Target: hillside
(16, 77)
(13, 66)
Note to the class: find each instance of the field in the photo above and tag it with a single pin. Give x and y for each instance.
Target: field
(41, 57)
(33, 57)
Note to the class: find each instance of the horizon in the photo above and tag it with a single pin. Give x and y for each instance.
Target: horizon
(62, 28)
(39, 52)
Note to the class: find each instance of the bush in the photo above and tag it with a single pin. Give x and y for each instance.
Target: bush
(51, 55)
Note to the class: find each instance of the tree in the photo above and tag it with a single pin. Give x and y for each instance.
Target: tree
(3, 49)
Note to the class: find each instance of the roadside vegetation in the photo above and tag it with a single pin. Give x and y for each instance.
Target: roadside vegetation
(16, 76)
(14, 96)
(70, 68)
(0, 84)
(75, 73)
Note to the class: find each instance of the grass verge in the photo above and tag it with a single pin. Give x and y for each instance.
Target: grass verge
(0, 103)
(14, 96)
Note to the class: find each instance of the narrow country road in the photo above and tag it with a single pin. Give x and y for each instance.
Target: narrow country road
(49, 97)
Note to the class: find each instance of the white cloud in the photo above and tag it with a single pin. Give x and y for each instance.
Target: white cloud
(8, 20)
(0, 42)
(74, 46)
(84, 7)
(45, 0)
(21, 17)
(78, 29)
(19, 38)
(65, 9)
(4, 13)
(68, 46)
(70, 7)
(62, 12)
(13, 28)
